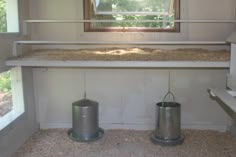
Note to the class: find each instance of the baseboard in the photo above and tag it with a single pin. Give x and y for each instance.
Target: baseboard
(216, 127)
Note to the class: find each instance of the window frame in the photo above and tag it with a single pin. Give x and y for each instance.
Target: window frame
(18, 101)
(88, 28)
(17, 19)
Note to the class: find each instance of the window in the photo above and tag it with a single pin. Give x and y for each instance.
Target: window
(165, 11)
(5, 93)
(9, 21)
(11, 96)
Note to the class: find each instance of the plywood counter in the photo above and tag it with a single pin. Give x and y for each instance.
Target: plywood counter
(124, 58)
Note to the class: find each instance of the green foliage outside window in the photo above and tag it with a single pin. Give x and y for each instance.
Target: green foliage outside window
(127, 5)
(5, 82)
(3, 18)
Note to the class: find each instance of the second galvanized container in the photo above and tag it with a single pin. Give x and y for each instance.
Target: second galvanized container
(85, 125)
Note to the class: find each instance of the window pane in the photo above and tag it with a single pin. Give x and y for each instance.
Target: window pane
(164, 11)
(9, 21)
(154, 7)
(11, 96)
(3, 16)
(128, 5)
(5, 93)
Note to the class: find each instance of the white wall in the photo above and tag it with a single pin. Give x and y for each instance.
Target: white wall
(7, 39)
(127, 97)
(17, 132)
(190, 9)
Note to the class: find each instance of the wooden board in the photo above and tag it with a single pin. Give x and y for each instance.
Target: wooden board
(225, 97)
(124, 57)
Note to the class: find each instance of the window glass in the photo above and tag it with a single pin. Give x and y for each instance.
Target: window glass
(151, 7)
(5, 93)
(9, 21)
(166, 10)
(3, 16)
(11, 96)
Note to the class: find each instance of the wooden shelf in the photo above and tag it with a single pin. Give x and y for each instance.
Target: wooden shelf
(228, 98)
(117, 64)
(124, 58)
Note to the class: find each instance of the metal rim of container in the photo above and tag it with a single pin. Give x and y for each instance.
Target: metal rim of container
(164, 142)
(100, 134)
(167, 105)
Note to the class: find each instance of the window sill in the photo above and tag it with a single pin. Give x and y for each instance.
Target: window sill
(10, 35)
(9, 118)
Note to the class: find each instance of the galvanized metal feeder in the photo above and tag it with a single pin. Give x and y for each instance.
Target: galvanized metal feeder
(85, 121)
(168, 126)
(85, 126)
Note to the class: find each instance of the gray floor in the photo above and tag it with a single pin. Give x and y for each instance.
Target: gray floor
(128, 143)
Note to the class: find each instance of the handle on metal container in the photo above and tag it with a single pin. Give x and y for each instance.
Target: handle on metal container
(168, 93)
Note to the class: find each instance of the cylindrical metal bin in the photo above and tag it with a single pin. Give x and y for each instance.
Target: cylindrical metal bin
(168, 125)
(168, 121)
(85, 121)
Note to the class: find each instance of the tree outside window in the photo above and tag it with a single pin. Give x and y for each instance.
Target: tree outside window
(5, 93)
(167, 12)
(3, 16)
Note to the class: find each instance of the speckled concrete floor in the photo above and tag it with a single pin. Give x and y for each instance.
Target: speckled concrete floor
(128, 143)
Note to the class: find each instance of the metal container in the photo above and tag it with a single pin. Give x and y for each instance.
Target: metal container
(168, 121)
(85, 121)
(168, 127)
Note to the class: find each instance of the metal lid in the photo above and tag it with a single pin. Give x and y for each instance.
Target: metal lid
(85, 103)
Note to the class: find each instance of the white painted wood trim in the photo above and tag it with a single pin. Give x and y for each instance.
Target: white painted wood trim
(121, 43)
(141, 21)
(118, 64)
(141, 126)
(225, 97)
(233, 61)
(232, 93)
(231, 81)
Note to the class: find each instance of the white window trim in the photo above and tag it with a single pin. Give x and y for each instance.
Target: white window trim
(17, 98)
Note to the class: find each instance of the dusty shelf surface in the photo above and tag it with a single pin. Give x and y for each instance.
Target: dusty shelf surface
(122, 56)
(129, 54)
(128, 143)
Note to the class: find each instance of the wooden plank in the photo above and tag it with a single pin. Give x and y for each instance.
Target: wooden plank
(122, 43)
(231, 81)
(118, 64)
(140, 21)
(233, 60)
(225, 97)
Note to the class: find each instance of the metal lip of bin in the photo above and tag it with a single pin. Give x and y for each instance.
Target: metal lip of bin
(80, 138)
(85, 121)
(168, 104)
(167, 142)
